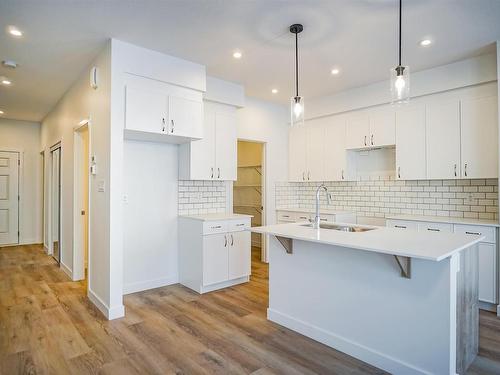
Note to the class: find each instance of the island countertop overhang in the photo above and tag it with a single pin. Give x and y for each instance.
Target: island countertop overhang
(433, 246)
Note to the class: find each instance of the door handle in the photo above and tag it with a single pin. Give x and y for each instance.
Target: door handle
(372, 139)
(232, 240)
(83, 212)
(225, 240)
(172, 129)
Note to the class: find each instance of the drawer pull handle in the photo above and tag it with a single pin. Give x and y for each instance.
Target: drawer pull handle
(286, 216)
(240, 225)
(476, 233)
(216, 227)
(400, 226)
(322, 219)
(434, 229)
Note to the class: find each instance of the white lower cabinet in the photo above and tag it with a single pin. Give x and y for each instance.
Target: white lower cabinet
(487, 251)
(289, 216)
(214, 254)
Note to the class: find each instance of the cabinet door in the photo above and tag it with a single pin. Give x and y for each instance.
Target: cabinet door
(201, 156)
(239, 254)
(335, 150)
(315, 152)
(487, 272)
(186, 117)
(480, 138)
(442, 125)
(297, 159)
(382, 128)
(225, 146)
(410, 143)
(146, 110)
(357, 131)
(215, 258)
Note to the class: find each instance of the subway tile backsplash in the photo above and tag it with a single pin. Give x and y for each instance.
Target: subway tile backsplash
(201, 197)
(385, 196)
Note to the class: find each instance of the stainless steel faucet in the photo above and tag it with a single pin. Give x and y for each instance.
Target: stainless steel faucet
(328, 198)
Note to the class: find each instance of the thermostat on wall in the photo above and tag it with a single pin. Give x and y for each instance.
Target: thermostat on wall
(94, 77)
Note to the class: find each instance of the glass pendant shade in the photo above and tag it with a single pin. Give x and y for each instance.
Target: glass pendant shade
(297, 110)
(400, 85)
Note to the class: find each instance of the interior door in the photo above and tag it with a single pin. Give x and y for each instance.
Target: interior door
(335, 152)
(239, 259)
(146, 110)
(226, 147)
(297, 157)
(215, 258)
(56, 203)
(9, 192)
(442, 127)
(410, 143)
(315, 150)
(480, 137)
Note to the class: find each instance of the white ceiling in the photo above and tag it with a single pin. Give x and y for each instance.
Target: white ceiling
(359, 36)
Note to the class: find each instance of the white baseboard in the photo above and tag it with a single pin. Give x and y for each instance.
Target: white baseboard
(67, 270)
(356, 350)
(110, 313)
(29, 241)
(149, 284)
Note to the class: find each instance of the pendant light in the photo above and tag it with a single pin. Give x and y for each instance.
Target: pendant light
(400, 75)
(297, 102)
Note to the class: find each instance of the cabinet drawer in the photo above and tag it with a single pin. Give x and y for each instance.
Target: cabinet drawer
(302, 216)
(330, 218)
(488, 232)
(435, 227)
(286, 216)
(238, 225)
(402, 224)
(212, 227)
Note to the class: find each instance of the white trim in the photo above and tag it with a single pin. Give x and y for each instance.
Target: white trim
(66, 270)
(110, 313)
(361, 352)
(149, 284)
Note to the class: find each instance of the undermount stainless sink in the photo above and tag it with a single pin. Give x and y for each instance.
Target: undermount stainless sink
(342, 228)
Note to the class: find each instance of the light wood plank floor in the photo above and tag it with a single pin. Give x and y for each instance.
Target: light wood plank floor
(48, 326)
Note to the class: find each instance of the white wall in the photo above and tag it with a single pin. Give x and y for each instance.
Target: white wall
(266, 122)
(24, 136)
(82, 102)
(150, 215)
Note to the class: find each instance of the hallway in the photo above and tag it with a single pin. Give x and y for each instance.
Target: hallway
(47, 325)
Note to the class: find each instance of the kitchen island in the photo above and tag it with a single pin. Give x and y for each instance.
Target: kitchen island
(404, 301)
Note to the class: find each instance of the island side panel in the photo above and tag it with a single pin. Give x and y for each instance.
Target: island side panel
(357, 302)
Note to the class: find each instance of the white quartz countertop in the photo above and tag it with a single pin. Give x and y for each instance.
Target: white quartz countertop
(434, 246)
(216, 217)
(446, 219)
(312, 210)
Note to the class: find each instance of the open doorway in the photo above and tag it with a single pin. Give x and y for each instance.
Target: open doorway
(248, 189)
(81, 202)
(55, 202)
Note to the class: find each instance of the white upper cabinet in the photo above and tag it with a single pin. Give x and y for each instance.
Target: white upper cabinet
(297, 153)
(336, 168)
(315, 151)
(215, 156)
(382, 128)
(480, 137)
(157, 111)
(443, 139)
(410, 143)
(358, 131)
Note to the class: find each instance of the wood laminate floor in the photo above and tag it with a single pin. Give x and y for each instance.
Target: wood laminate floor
(48, 326)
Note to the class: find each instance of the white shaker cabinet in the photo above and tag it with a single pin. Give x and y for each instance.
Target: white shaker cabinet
(410, 143)
(336, 156)
(479, 137)
(315, 151)
(213, 157)
(382, 128)
(358, 131)
(297, 153)
(146, 110)
(214, 251)
(185, 117)
(443, 139)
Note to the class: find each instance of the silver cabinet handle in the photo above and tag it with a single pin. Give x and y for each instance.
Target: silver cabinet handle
(476, 233)
(303, 176)
(232, 240)
(172, 129)
(434, 230)
(465, 169)
(308, 175)
(212, 172)
(372, 139)
(455, 170)
(225, 240)
(399, 172)
(365, 140)
(163, 125)
(218, 172)
(342, 174)
(400, 226)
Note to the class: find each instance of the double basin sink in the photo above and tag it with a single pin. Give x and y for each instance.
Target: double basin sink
(340, 227)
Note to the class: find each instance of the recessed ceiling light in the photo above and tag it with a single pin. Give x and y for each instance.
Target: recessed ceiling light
(425, 42)
(335, 71)
(14, 31)
(237, 54)
(6, 82)
(1, 112)
(274, 91)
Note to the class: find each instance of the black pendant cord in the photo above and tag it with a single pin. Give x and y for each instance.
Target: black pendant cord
(296, 64)
(400, 13)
